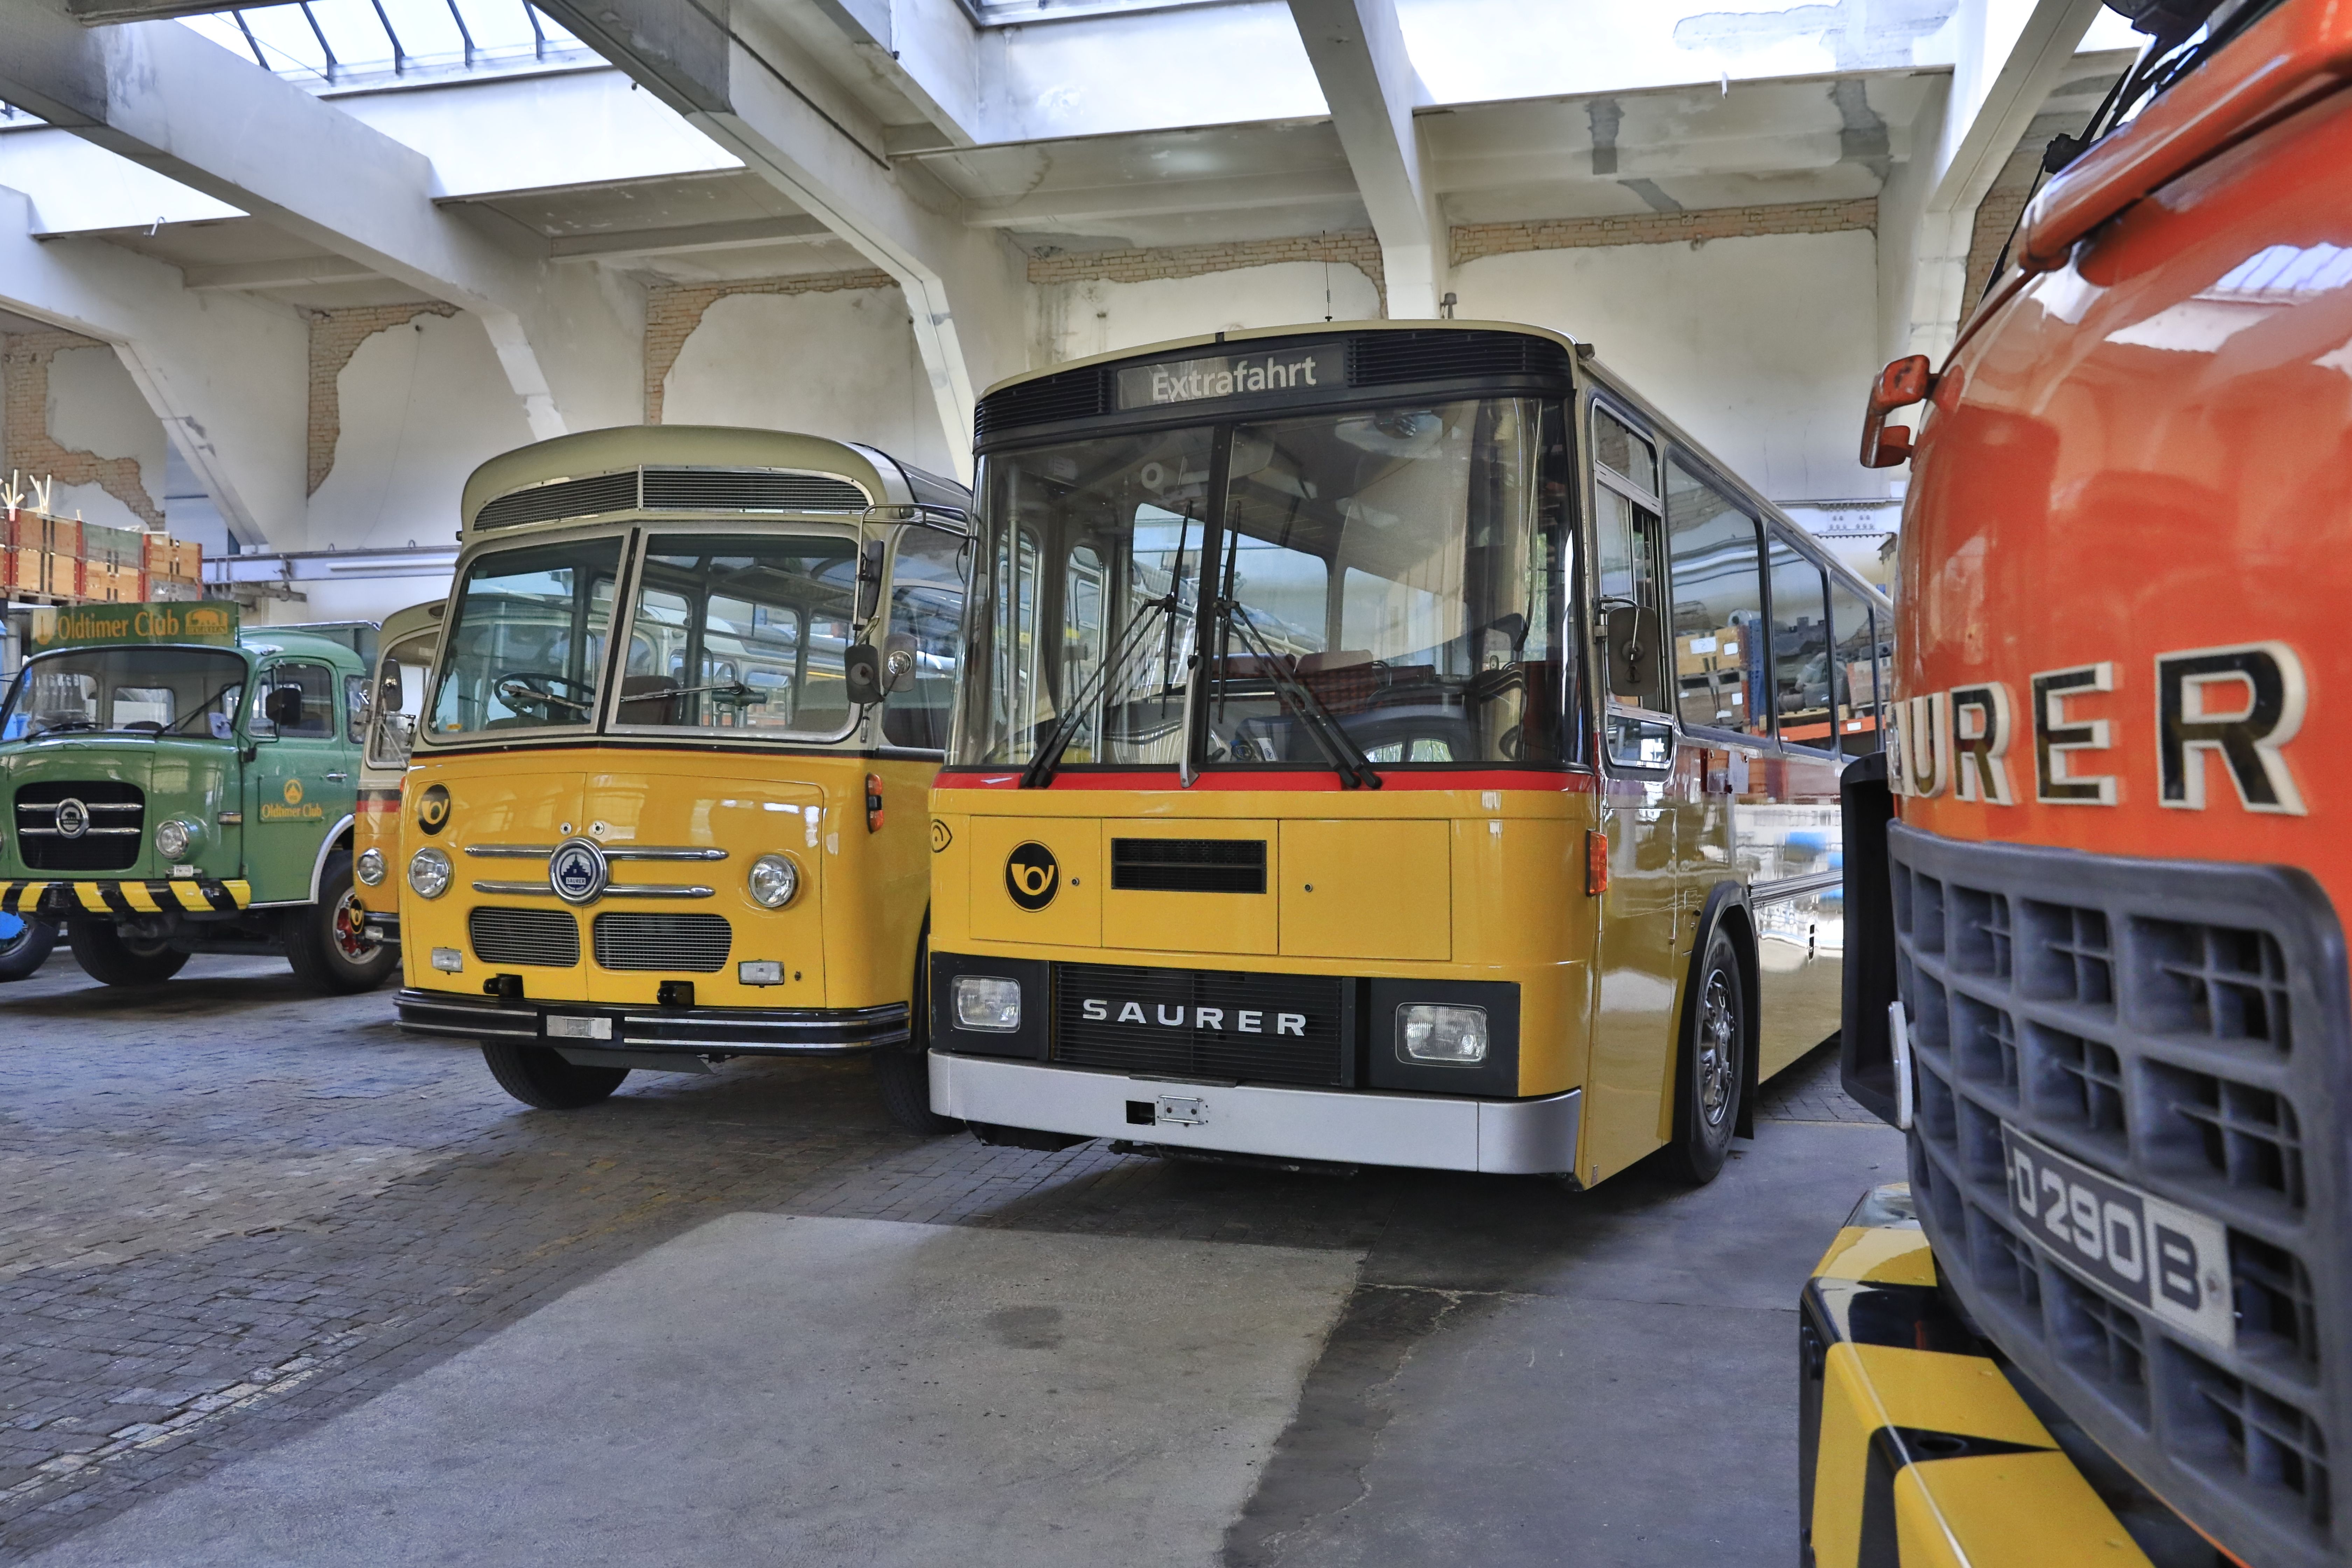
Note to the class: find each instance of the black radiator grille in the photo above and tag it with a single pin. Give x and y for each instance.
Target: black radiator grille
(563, 498)
(2180, 1026)
(1189, 864)
(633, 940)
(1149, 1022)
(749, 489)
(1386, 359)
(1073, 394)
(548, 939)
(114, 819)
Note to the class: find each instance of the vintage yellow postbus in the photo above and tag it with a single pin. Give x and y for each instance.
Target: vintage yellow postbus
(666, 804)
(396, 696)
(1386, 744)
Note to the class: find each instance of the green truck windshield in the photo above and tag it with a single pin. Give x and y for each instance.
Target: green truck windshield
(134, 690)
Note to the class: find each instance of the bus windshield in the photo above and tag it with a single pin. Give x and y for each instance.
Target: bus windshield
(188, 691)
(743, 632)
(1393, 574)
(525, 645)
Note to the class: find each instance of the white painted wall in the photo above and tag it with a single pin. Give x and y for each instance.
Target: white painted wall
(96, 407)
(842, 365)
(422, 405)
(1072, 320)
(1761, 348)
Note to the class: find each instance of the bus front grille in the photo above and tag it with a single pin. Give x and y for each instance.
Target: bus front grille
(548, 939)
(2179, 1029)
(626, 939)
(103, 831)
(1252, 1029)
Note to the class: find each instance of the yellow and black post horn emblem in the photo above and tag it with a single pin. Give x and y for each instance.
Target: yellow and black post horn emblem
(433, 809)
(940, 836)
(1031, 876)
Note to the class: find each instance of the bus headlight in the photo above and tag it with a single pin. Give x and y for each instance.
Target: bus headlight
(986, 1003)
(772, 881)
(173, 838)
(370, 867)
(1448, 1036)
(428, 873)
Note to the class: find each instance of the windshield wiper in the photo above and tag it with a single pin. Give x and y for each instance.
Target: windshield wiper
(1338, 747)
(1048, 756)
(733, 691)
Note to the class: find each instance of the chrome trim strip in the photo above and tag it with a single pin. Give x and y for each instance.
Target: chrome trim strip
(51, 805)
(85, 833)
(628, 852)
(510, 851)
(516, 889)
(1790, 887)
(657, 890)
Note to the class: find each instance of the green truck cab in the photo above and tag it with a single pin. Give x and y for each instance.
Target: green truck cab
(177, 785)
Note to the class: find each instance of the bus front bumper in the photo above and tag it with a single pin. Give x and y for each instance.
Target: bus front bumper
(653, 1033)
(63, 900)
(1503, 1137)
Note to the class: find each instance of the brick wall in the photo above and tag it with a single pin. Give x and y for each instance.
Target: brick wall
(1997, 217)
(672, 312)
(32, 452)
(335, 336)
(1350, 247)
(1471, 241)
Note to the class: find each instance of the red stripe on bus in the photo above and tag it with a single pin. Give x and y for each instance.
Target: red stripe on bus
(1287, 780)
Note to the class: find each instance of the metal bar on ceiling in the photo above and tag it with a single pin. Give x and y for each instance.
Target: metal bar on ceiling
(463, 31)
(320, 34)
(250, 41)
(399, 55)
(538, 33)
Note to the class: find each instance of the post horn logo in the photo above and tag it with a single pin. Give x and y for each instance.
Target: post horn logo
(940, 836)
(433, 809)
(1031, 876)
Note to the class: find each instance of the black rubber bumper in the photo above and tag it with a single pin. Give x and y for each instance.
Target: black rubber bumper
(730, 1031)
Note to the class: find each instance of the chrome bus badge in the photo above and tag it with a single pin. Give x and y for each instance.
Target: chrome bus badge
(577, 870)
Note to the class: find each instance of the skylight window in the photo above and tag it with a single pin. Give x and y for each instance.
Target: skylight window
(335, 43)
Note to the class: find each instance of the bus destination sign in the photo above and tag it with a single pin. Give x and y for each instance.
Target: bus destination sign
(1297, 371)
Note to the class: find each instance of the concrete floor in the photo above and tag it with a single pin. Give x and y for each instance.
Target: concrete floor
(283, 1286)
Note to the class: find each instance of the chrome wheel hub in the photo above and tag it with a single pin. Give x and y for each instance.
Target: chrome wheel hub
(1718, 1048)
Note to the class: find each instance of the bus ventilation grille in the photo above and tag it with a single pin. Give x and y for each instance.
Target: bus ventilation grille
(116, 814)
(1151, 1022)
(695, 943)
(1073, 394)
(548, 939)
(2180, 1027)
(1188, 865)
(563, 498)
(1387, 359)
(749, 489)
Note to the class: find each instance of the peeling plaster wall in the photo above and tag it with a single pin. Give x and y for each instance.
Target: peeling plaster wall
(74, 414)
(840, 362)
(1072, 320)
(1760, 347)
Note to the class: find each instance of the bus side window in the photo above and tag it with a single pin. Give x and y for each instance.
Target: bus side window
(1718, 596)
(1801, 648)
(1856, 699)
(927, 604)
(1628, 562)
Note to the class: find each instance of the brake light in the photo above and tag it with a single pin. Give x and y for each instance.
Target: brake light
(873, 803)
(1596, 861)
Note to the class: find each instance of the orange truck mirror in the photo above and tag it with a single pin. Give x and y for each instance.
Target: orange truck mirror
(1903, 382)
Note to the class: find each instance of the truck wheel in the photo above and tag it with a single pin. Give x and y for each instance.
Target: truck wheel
(538, 1076)
(904, 1071)
(26, 950)
(1707, 1076)
(327, 943)
(106, 957)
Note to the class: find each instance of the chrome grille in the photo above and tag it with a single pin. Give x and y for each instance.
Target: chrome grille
(697, 944)
(548, 939)
(2181, 1027)
(561, 497)
(116, 815)
(749, 489)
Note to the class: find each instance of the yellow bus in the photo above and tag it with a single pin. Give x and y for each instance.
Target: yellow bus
(665, 801)
(397, 694)
(1386, 744)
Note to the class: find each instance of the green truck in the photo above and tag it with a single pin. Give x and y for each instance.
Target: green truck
(177, 783)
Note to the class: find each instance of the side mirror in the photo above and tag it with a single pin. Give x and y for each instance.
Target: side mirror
(1629, 632)
(862, 674)
(1903, 382)
(898, 662)
(283, 707)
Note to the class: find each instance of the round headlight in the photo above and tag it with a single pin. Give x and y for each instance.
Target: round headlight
(773, 881)
(173, 839)
(370, 869)
(428, 873)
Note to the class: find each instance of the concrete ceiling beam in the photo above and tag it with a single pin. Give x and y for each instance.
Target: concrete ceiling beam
(735, 234)
(296, 272)
(1358, 53)
(1162, 198)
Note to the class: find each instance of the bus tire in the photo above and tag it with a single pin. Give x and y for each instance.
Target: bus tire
(1708, 1072)
(904, 1071)
(29, 948)
(539, 1077)
(106, 957)
(327, 944)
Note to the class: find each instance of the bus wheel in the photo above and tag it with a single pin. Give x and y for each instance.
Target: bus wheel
(106, 957)
(27, 949)
(905, 1071)
(1706, 1078)
(538, 1076)
(327, 943)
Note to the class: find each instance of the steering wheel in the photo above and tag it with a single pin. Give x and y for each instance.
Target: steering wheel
(533, 694)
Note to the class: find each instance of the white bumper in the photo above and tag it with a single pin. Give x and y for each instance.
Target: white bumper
(1509, 1137)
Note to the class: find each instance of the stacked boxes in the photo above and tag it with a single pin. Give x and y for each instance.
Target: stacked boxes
(47, 557)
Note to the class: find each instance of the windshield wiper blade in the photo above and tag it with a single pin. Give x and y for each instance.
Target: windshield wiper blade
(1338, 747)
(1048, 758)
(734, 688)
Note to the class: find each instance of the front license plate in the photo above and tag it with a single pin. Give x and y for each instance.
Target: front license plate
(563, 1028)
(2171, 1261)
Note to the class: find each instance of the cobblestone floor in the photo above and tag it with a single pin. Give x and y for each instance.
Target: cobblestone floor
(228, 1210)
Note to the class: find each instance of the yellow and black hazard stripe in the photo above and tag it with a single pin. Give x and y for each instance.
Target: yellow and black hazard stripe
(59, 900)
(1914, 1445)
